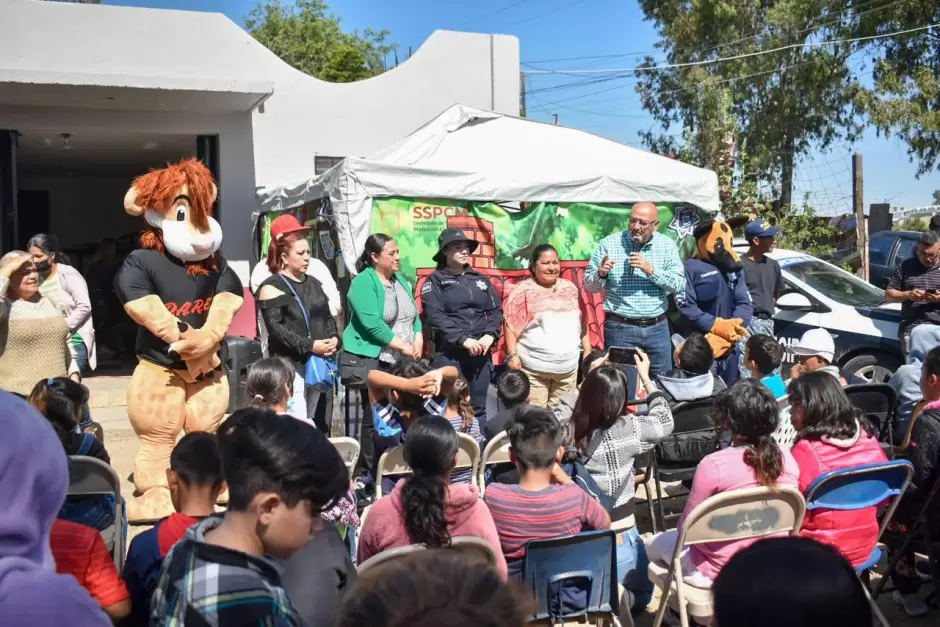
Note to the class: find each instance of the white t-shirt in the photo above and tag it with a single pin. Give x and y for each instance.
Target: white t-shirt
(317, 269)
(551, 342)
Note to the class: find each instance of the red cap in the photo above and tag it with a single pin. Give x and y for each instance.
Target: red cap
(282, 225)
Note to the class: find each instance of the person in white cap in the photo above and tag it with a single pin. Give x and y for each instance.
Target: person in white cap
(815, 351)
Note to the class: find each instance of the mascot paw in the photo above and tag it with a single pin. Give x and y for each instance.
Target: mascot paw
(720, 346)
(193, 344)
(149, 507)
(731, 330)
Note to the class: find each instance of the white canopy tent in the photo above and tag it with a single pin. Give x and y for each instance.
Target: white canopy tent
(471, 154)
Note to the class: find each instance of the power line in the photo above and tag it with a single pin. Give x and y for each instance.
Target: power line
(735, 57)
(492, 13)
(541, 15)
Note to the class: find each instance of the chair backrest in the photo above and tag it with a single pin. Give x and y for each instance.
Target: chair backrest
(393, 461)
(860, 487)
(784, 435)
(587, 560)
(693, 436)
(877, 402)
(89, 476)
(743, 514)
(349, 450)
(389, 555)
(476, 547)
(496, 452)
(692, 415)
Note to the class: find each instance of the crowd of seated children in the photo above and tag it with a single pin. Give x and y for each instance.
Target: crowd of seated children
(784, 582)
(34, 479)
(830, 437)
(692, 378)
(280, 474)
(195, 482)
(426, 507)
(762, 358)
(512, 390)
(546, 503)
(749, 411)
(435, 588)
(607, 437)
(60, 400)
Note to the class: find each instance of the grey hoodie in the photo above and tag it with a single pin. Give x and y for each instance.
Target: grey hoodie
(906, 381)
(680, 385)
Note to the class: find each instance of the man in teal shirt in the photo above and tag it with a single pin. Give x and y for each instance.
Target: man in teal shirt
(637, 269)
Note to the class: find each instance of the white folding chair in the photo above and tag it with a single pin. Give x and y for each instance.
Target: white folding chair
(393, 461)
(784, 435)
(349, 450)
(496, 452)
(734, 515)
(89, 476)
(389, 556)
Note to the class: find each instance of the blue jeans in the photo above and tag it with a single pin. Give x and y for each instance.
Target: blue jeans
(633, 567)
(81, 357)
(654, 341)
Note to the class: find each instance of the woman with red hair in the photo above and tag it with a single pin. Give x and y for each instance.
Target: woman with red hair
(296, 311)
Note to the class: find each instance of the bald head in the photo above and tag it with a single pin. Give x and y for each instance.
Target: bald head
(644, 220)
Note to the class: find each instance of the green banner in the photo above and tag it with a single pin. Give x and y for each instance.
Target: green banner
(507, 237)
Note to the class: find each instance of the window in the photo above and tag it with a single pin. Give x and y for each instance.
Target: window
(835, 283)
(905, 249)
(879, 248)
(322, 164)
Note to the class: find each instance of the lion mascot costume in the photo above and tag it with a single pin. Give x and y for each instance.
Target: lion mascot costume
(716, 301)
(183, 296)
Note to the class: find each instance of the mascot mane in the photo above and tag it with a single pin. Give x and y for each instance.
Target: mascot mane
(159, 188)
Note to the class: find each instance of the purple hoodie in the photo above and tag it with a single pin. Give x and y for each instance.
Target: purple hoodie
(33, 482)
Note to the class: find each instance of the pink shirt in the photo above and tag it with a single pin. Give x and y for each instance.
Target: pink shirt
(719, 472)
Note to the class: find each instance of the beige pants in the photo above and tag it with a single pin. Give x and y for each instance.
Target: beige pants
(546, 389)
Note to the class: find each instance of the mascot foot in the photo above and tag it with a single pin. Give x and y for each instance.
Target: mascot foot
(149, 507)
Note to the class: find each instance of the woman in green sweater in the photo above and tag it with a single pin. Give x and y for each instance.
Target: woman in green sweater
(383, 324)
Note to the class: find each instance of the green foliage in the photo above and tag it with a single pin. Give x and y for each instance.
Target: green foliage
(802, 229)
(779, 105)
(911, 224)
(308, 37)
(905, 98)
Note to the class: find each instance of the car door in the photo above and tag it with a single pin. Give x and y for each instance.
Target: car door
(881, 251)
(791, 324)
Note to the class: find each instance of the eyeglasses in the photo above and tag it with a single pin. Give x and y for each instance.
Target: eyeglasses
(638, 222)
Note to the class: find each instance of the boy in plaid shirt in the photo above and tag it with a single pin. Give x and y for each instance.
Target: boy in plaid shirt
(281, 474)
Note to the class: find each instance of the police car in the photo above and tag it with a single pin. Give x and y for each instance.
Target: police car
(819, 294)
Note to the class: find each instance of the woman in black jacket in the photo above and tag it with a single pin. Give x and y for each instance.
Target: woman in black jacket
(297, 314)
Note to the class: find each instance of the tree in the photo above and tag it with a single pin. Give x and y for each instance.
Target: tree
(780, 105)
(306, 36)
(905, 97)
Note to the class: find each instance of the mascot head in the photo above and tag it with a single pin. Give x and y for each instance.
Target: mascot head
(177, 202)
(713, 243)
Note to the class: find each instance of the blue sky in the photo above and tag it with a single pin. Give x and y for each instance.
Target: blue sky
(614, 30)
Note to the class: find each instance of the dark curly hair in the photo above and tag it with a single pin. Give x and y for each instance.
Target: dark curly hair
(750, 411)
(827, 411)
(430, 450)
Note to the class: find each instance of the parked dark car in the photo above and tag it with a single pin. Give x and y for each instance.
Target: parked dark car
(886, 250)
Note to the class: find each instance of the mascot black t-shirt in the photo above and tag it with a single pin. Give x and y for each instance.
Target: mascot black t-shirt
(188, 298)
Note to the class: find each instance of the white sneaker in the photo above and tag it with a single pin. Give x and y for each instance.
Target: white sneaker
(912, 603)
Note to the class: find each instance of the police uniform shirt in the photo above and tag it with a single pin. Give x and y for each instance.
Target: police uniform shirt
(147, 272)
(461, 306)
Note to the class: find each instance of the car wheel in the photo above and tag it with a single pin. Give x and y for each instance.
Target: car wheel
(873, 368)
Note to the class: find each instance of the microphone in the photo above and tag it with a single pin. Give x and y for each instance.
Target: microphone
(637, 242)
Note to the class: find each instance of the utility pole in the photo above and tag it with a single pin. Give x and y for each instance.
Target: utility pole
(858, 204)
(522, 95)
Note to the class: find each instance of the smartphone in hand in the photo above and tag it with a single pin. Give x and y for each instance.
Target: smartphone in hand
(621, 355)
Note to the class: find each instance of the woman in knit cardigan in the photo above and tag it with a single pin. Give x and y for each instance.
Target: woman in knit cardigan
(34, 336)
(383, 323)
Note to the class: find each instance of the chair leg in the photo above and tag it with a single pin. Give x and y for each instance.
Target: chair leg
(892, 564)
(664, 599)
(649, 505)
(874, 606)
(659, 500)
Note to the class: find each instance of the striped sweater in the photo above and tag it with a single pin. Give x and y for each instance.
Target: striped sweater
(34, 343)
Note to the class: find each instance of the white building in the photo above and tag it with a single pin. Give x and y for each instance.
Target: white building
(92, 95)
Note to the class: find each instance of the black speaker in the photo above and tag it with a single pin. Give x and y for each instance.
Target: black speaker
(237, 354)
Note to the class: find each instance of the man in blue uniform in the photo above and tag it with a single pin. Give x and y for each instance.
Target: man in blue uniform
(464, 314)
(716, 301)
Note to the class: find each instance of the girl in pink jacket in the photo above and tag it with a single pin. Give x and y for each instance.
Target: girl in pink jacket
(830, 437)
(426, 508)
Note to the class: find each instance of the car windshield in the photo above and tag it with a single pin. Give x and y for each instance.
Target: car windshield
(835, 283)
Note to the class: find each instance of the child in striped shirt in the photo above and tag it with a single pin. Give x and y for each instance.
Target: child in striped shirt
(546, 503)
(459, 413)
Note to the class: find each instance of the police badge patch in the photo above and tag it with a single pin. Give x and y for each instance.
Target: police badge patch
(684, 220)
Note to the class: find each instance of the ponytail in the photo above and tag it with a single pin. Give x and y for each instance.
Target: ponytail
(766, 459)
(422, 500)
(459, 398)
